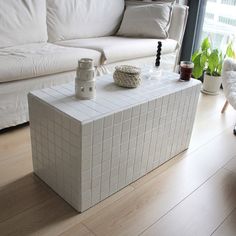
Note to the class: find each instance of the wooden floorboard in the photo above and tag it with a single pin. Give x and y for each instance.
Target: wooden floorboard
(202, 211)
(192, 194)
(21, 195)
(11, 171)
(228, 227)
(152, 199)
(78, 229)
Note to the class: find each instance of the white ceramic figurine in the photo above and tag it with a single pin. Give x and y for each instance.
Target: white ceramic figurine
(85, 86)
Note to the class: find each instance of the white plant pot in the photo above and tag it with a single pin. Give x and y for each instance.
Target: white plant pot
(211, 84)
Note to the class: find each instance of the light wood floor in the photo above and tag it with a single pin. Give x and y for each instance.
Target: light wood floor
(193, 194)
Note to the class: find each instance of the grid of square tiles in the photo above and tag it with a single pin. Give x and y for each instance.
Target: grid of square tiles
(87, 162)
(122, 147)
(56, 150)
(110, 98)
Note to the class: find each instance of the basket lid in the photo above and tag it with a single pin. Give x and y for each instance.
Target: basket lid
(128, 69)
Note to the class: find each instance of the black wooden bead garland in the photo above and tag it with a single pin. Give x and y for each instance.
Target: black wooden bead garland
(158, 56)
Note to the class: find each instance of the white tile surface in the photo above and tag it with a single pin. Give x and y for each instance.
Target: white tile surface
(87, 150)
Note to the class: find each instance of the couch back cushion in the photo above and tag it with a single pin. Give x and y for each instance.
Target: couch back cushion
(146, 21)
(71, 19)
(22, 22)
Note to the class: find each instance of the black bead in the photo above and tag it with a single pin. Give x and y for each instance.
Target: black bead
(158, 55)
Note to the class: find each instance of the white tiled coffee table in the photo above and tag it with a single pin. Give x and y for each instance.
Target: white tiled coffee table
(87, 150)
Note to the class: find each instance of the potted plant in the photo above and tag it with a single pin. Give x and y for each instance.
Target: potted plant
(208, 62)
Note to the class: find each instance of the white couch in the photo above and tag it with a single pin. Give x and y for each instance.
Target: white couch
(42, 40)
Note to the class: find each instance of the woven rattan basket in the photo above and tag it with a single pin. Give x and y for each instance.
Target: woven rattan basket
(127, 76)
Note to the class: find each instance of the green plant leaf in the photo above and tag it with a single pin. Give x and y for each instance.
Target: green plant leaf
(197, 69)
(220, 64)
(203, 60)
(195, 55)
(206, 45)
(229, 51)
(213, 61)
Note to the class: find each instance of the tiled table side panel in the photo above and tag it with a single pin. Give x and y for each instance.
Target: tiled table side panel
(87, 163)
(120, 148)
(56, 150)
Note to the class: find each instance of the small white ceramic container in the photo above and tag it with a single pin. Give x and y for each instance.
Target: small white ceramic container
(85, 84)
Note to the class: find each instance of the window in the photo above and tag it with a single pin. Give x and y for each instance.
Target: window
(209, 16)
(227, 20)
(229, 2)
(219, 22)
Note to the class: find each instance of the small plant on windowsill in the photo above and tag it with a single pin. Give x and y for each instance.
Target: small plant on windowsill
(208, 62)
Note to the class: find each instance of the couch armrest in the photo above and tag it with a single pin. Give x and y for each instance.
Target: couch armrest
(178, 23)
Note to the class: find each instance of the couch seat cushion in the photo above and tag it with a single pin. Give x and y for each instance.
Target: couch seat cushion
(33, 60)
(116, 49)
